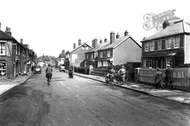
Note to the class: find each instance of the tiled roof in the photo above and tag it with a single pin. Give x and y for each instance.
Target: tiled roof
(79, 47)
(99, 46)
(4, 36)
(114, 44)
(177, 27)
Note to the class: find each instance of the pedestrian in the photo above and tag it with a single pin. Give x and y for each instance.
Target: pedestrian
(158, 79)
(49, 71)
(122, 73)
(168, 76)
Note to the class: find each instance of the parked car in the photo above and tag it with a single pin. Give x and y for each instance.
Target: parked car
(37, 69)
(62, 68)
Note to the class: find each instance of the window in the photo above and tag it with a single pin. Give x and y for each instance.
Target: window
(176, 42)
(99, 63)
(168, 43)
(101, 54)
(145, 62)
(108, 53)
(2, 48)
(152, 46)
(159, 44)
(146, 47)
(150, 63)
(105, 63)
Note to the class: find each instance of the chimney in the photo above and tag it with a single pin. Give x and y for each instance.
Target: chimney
(126, 33)
(8, 31)
(117, 36)
(95, 42)
(100, 41)
(112, 37)
(21, 41)
(165, 24)
(0, 25)
(105, 40)
(79, 42)
(74, 45)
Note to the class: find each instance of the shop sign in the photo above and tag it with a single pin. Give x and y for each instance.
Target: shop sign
(2, 68)
(155, 21)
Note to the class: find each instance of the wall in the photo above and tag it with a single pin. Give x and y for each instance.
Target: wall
(128, 51)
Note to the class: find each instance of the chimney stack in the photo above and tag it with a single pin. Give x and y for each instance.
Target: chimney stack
(100, 41)
(74, 45)
(117, 36)
(112, 37)
(21, 41)
(79, 42)
(8, 31)
(95, 42)
(105, 40)
(126, 33)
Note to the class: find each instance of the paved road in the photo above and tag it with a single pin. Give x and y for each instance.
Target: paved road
(84, 102)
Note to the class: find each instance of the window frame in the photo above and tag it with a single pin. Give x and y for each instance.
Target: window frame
(2, 49)
(176, 39)
(168, 43)
(152, 45)
(160, 44)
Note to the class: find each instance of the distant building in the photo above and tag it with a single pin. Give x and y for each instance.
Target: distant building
(77, 55)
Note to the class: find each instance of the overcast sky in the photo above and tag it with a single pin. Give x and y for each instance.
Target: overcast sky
(49, 26)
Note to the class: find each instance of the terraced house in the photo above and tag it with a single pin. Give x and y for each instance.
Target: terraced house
(171, 45)
(15, 57)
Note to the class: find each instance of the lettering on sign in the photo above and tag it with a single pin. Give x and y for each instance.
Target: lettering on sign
(155, 21)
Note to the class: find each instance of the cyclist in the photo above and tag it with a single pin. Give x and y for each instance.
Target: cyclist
(49, 71)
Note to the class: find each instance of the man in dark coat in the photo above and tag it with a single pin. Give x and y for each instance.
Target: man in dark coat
(169, 75)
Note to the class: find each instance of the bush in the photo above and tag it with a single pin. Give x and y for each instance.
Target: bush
(83, 70)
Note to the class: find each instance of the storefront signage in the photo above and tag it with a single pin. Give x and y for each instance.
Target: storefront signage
(155, 21)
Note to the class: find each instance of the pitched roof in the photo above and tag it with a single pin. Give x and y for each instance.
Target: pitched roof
(4, 36)
(79, 47)
(99, 46)
(175, 28)
(118, 42)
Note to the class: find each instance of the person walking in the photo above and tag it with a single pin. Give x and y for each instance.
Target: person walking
(49, 71)
(122, 72)
(158, 79)
(168, 76)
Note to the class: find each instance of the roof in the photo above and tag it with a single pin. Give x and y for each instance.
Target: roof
(118, 42)
(98, 47)
(175, 28)
(79, 47)
(4, 36)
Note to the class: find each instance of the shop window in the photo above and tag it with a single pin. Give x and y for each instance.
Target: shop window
(99, 63)
(105, 63)
(2, 68)
(2, 48)
(152, 46)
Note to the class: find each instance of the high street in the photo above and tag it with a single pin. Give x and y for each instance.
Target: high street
(84, 102)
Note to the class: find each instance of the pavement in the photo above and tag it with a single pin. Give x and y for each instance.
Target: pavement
(169, 94)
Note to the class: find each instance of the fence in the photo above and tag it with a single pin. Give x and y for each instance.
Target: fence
(181, 77)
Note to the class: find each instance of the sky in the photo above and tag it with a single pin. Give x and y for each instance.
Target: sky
(50, 26)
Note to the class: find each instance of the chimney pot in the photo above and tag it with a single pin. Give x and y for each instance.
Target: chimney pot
(95, 42)
(21, 41)
(105, 40)
(8, 31)
(100, 41)
(117, 36)
(126, 33)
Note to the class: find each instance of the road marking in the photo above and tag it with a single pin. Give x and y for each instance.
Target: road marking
(51, 119)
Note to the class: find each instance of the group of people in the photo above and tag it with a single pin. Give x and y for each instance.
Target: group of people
(167, 80)
(119, 76)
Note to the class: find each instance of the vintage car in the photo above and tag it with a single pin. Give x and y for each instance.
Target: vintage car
(37, 69)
